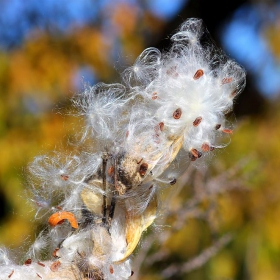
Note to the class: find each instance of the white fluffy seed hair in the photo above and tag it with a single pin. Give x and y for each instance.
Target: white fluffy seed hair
(179, 98)
(195, 77)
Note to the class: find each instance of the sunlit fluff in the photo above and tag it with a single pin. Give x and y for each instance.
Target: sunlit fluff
(170, 112)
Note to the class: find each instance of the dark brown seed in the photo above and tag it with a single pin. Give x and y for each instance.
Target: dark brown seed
(111, 269)
(111, 171)
(161, 126)
(39, 275)
(218, 126)
(54, 267)
(205, 147)
(198, 74)
(28, 262)
(173, 182)
(192, 157)
(143, 169)
(139, 161)
(132, 272)
(197, 121)
(64, 177)
(226, 80)
(41, 264)
(196, 153)
(10, 275)
(228, 131)
(177, 114)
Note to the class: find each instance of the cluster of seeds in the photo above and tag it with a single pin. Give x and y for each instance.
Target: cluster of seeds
(138, 136)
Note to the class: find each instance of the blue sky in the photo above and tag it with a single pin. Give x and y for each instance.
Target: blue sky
(241, 37)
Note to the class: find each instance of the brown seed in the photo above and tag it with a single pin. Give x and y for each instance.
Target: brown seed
(143, 169)
(161, 126)
(10, 275)
(54, 252)
(111, 171)
(218, 126)
(205, 147)
(198, 74)
(28, 262)
(228, 131)
(132, 272)
(126, 134)
(196, 153)
(154, 97)
(197, 121)
(212, 148)
(226, 80)
(139, 161)
(111, 269)
(41, 264)
(54, 267)
(177, 114)
(39, 275)
(64, 177)
(173, 182)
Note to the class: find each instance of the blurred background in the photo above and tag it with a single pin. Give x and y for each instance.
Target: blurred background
(49, 49)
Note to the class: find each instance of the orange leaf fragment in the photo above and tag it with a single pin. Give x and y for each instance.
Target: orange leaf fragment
(60, 216)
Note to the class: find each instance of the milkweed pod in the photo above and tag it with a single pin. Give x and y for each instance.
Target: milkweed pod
(93, 201)
(135, 225)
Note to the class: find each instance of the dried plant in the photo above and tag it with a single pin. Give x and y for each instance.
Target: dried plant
(139, 137)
